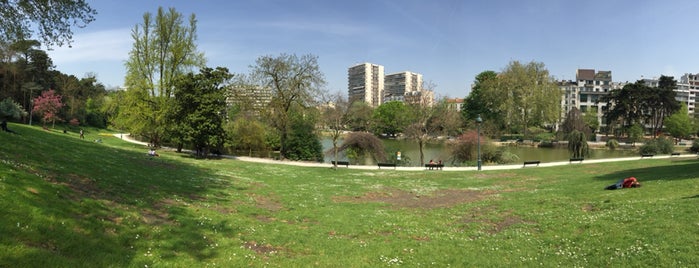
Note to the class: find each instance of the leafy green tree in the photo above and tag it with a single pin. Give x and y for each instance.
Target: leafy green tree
(679, 124)
(199, 107)
(590, 118)
(391, 118)
(164, 48)
(53, 19)
(532, 98)
(246, 133)
(638, 103)
(10, 109)
(484, 100)
(294, 81)
(303, 143)
(635, 133)
(660, 103)
(359, 116)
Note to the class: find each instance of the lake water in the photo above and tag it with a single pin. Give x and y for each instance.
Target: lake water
(439, 151)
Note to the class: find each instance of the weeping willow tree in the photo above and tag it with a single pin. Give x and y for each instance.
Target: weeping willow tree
(363, 143)
(577, 144)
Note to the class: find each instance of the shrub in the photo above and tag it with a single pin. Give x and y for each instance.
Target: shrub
(695, 146)
(657, 146)
(612, 144)
(465, 149)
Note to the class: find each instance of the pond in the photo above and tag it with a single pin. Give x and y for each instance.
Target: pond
(410, 154)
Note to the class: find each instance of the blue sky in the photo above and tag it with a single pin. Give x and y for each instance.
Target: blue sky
(448, 41)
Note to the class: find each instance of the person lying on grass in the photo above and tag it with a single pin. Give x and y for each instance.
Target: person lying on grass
(629, 182)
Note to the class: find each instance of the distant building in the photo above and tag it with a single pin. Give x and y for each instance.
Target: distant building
(585, 92)
(252, 99)
(688, 87)
(366, 83)
(455, 104)
(398, 85)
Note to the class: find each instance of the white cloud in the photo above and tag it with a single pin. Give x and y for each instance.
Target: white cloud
(108, 45)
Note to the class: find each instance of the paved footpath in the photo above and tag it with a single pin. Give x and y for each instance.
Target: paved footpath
(127, 137)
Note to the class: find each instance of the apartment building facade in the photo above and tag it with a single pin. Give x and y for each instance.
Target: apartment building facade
(585, 93)
(366, 83)
(397, 85)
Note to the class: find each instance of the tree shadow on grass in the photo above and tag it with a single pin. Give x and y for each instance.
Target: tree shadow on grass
(679, 170)
(71, 202)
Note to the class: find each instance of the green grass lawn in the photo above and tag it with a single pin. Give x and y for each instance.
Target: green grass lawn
(67, 202)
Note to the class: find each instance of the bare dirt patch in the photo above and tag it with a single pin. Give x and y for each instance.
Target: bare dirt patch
(260, 248)
(404, 199)
(493, 221)
(267, 203)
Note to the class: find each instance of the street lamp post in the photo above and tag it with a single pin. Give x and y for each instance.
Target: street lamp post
(479, 120)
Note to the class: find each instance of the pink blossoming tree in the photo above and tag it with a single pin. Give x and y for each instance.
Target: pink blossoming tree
(48, 105)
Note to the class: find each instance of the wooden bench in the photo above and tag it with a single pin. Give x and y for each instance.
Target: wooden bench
(674, 154)
(386, 165)
(531, 163)
(434, 166)
(340, 163)
(646, 155)
(579, 160)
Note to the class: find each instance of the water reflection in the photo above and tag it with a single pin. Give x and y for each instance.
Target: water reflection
(440, 151)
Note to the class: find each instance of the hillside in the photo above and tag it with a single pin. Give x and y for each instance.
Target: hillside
(68, 202)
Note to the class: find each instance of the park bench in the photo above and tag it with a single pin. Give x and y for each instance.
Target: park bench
(578, 159)
(340, 163)
(386, 165)
(646, 155)
(531, 163)
(674, 154)
(434, 166)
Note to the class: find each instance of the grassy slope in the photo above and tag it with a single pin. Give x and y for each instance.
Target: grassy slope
(70, 202)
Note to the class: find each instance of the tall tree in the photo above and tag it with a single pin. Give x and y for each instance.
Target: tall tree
(359, 116)
(48, 105)
(164, 47)
(483, 100)
(391, 118)
(422, 119)
(661, 103)
(531, 96)
(199, 108)
(640, 104)
(679, 124)
(293, 81)
(335, 117)
(53, 19)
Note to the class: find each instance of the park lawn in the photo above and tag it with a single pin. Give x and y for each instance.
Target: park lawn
(67, 202)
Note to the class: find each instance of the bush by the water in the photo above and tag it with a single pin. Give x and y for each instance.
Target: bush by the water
(612, 144)
(657, 146)
(465, 149)
(695, 146)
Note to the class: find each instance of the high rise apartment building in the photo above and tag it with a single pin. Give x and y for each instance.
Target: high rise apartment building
(366, 83)
(687, 91)
(402, 84)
